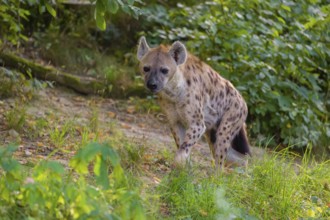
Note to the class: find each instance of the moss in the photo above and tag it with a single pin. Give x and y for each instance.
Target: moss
(79, 84)
(85, 85)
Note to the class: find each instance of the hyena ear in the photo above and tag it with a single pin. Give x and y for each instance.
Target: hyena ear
(143, 48)
(178, 52)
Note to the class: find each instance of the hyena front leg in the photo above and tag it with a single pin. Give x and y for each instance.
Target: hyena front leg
(177, 129)
(178, 132)
(193, 134)
(231, 123)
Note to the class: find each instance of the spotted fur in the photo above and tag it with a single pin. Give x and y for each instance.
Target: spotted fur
(196, 100)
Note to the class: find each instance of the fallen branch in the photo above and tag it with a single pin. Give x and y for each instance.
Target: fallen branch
(84, 85)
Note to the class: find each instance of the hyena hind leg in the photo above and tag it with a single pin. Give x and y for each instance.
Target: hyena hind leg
(240, 150)
(226, 133)
(210, 136)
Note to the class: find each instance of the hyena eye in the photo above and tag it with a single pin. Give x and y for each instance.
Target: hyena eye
(164, 70)
(146, 69)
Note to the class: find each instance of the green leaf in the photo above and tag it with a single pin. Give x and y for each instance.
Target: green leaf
(110, 153)
(7, 151)
(124, 7)
(10, 166)
(281, 20)
(97, 165)
(130, 2)
(113, 6)
(136, 11)
(99, 15)
(119, 177)
(79, 165)
(89, 152)
(101, 172)
(100, 22)
(41, 8)
(84, 156)
(285, 7)
(312, 21)
(284, 102)
(54, 166)
(50, 9)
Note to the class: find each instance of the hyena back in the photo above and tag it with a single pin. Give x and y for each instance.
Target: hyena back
(196, 100)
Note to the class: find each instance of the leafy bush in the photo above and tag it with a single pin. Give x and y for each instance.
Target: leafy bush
(14, 14)
(14, 83)
(11, 26)
(276, 53)
(49, 191)
(104, 7)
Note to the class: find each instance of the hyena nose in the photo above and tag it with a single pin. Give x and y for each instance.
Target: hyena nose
(151, 85)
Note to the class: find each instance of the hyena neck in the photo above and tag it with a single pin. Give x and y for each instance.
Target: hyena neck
(175, 87)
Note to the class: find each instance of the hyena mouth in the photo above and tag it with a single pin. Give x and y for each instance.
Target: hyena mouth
(155, 91)
(153, 87)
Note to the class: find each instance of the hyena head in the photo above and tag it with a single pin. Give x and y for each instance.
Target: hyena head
(158, 65)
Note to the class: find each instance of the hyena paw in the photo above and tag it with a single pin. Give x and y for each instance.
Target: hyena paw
(181, 158)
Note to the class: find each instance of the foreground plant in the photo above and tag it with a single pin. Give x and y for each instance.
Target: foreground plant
(50, 191)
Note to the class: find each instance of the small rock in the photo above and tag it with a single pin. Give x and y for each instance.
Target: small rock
(130, 109)
(27, 153)
(112, 114)
(13, 133)
(125, 126)
(29, 180)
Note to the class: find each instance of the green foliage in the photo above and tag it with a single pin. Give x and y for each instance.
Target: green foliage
(16, 84)
(50, 191)
(276, 53)
(11, 14)
(105, 7)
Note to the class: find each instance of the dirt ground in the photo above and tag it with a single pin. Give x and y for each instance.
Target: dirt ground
(113, 117)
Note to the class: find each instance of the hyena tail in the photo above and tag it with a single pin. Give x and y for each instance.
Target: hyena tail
(241, 143)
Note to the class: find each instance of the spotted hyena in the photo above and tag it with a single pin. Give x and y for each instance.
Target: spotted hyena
(196, 100)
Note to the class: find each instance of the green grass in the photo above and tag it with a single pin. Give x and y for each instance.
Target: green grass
(273, 187)
(16, 117)
(59, 134)
(94, 120)
(132, 153)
